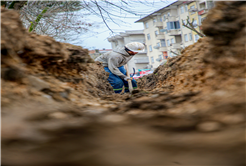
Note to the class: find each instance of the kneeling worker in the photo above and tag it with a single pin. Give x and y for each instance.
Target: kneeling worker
(114, 62)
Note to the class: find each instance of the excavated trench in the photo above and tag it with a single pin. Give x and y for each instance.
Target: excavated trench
(59, 109)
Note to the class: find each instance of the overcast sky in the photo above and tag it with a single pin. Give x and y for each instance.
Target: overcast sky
(98, 40)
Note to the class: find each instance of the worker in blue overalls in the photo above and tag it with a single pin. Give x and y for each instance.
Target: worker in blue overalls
(114, 62)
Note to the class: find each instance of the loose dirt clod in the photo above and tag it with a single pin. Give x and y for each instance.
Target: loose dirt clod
(59, 109)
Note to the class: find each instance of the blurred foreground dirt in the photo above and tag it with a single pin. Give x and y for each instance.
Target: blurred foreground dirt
(58, 108)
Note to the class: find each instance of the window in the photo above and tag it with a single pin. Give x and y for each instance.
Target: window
(190, 36)
(164, 17)
(168, 14)
(156, 33)
(168, 43)
(148, 36)
(172, 40)
(154, 21)
(182, 9)
(173, 25)
(165, 30)
(163, 43)
(150, 48)
(160, 19)
(152, 59)
(158, 45)
(160, 57)
(195, 23)
(196, 37)
(202, 6)
(186, 37)
(146, 25)
(186, 8)
(192, 7)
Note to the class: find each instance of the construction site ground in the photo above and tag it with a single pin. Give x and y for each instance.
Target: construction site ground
(58, 108)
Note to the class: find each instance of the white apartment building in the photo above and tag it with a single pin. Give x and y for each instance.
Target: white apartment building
(140, 60)
(164, 33)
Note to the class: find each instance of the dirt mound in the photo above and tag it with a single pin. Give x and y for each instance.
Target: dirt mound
(186, 72)
(51, 65)
(213, 60)
(58, 109)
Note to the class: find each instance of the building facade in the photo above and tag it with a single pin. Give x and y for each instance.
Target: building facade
(164, 32)
(96, 53)
(140, 60)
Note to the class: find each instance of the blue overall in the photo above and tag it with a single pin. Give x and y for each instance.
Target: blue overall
(117, 83)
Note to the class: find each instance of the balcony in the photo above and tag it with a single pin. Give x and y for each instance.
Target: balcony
(171, 18)
(174, 32)
(158, 24)
(163, 49)
(145, 52)
(160, 36)
(176, 45)
(202, 11)
(141, 60)
(193, 10)
(156, 47)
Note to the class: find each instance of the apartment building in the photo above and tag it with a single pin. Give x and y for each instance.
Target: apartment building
(140, 60)
(164, 33)
(96, 53)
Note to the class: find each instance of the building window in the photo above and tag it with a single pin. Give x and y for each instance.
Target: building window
(173, 25)
(168, 42)
(195, 23)
(186, 37)
(163, 43)
(186, 8)
(168, 14)
(171, 54)
(158, 45)
(156, 33)
(164, 17)
(172, 40)
(202, 5)
(190, 36)
(182, 9)
(148, 36)
(146, 25)
(160, 57)
(165, 30)
(192, 9)
(196, 37)
(154, 21)
(150, 48)
(152, 59)
(160, 19)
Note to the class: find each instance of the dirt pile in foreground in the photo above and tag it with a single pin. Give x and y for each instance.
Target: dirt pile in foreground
(191, 114)
(39, 65)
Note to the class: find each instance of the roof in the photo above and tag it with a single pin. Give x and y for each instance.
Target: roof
(160, 11)
(125, 34)
(100, 51)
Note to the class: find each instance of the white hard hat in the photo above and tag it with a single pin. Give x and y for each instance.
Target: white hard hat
(135, 46)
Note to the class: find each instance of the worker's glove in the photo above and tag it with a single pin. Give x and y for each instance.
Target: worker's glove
(127, 78)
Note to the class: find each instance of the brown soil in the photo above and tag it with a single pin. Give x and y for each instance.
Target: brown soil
(59, 109)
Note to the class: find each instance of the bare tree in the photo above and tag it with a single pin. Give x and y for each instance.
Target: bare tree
(191, 26)
(67, 19)
(58, 19)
